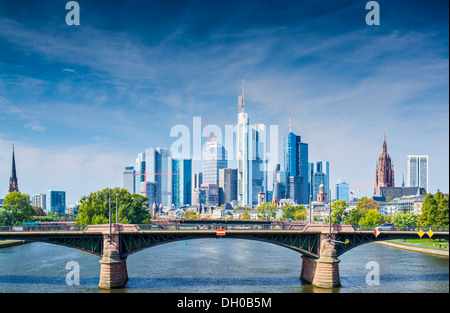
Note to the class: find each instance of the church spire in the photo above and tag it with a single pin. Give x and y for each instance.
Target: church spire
(13, 185)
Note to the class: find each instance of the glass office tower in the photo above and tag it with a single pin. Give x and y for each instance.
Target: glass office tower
(296, 165)
(182, 181)
(213, 159)
(158, 169)
(343, 191)
(56, 201)
(417, 171)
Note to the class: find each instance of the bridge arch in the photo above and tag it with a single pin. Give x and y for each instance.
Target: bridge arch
(306, 244)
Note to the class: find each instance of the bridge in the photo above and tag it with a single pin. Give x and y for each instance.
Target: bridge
(319, 244)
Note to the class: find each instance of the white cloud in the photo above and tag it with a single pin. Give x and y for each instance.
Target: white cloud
(77, 170)
(36, 126)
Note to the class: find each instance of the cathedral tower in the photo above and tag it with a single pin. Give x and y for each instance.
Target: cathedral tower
(13, 185)
(385, 170)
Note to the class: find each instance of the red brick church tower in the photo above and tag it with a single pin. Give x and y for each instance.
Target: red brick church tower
(385, 170)
(13, 185)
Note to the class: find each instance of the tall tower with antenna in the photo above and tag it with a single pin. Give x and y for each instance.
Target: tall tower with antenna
(241, 99)
(13, 184)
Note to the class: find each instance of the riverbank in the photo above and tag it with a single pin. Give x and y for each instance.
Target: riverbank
(11, 243)
(414, 248)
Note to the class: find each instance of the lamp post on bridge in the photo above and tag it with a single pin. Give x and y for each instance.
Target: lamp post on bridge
(117, 208)
(329, 215)
(110, 235)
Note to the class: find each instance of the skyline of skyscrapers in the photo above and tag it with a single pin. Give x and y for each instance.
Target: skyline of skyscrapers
(250, 178)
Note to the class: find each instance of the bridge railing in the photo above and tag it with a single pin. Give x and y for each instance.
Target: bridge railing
(180, 226)
(42, 228)
(405, 228)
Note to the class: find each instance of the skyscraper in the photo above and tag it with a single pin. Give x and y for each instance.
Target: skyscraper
(149, 190)
(417, 171)
(56, 201)
(13, 184)
(182, 181)
(252, 163)
(213, 159)
(244, 170)
(129, 181)
(384, 176)
(296, 165)
(158, 169)
(343, 191)
(198, 179)
(227, 185)
(139, 172)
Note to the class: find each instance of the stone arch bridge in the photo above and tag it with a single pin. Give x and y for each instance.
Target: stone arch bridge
(113, 243)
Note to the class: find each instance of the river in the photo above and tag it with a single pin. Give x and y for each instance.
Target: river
(220, 266)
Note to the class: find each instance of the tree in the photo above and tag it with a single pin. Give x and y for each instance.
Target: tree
(94, 208)
(353, 216)
(38, 211)
(245, 216)
(19, 206)
(190, 215)
(6, 217)
(371, 218)
(443, 211)
(338, 211)
(367, 204)
(435, 210)
(405, 219)
(267, 210)
(294, 212)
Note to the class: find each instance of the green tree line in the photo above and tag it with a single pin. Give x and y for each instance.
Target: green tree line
(435, 212)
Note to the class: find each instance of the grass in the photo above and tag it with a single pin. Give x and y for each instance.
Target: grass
(432, 243)
(9, 241)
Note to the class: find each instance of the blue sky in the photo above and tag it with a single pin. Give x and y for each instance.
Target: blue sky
(79, 102)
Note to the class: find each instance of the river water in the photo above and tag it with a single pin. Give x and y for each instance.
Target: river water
(220, 266)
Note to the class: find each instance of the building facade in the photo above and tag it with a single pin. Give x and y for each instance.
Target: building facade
(227, 185)
(296, 166)
(343, 191)
(39, 200)
(252, 162)
(417, 171)
(56, 201)
(149, 190)
(129, 181)
(182, 182)
(158, 169)
(213, 159)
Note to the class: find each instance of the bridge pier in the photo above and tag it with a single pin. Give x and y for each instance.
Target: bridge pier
(323, 272)
(113, 269)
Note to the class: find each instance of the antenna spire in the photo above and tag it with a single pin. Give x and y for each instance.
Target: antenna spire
(242, 91)
(290, 124)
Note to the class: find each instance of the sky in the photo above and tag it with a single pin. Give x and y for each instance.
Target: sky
(80, 102)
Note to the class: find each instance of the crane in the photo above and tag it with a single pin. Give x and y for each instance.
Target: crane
(353, 192)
